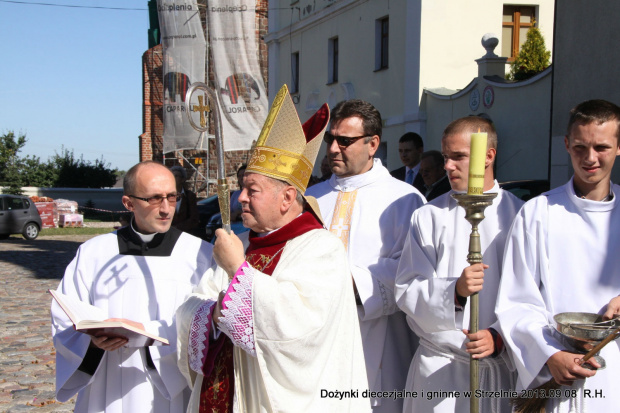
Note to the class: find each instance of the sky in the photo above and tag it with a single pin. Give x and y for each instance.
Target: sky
(72, 77)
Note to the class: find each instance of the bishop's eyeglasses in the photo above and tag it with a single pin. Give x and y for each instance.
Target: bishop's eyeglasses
(343, 141)
(158, 199)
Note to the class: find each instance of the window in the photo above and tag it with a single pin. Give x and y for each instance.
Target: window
(516, 21)
(382, 37)
(332, 63)
(15, 203)
(295, 72)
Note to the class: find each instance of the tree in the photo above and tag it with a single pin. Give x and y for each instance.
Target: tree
(36, 173)
(533, 57)
(61, 170)
(78, 173)
(10, 163)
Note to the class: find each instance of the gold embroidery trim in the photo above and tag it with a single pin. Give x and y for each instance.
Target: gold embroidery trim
(281, 164)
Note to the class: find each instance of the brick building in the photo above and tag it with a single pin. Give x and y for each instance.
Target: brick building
(151, 141)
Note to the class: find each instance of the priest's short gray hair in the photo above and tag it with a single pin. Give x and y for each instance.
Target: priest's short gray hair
(281, 184)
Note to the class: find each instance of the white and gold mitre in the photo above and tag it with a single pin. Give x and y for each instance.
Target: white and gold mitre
(286, 149)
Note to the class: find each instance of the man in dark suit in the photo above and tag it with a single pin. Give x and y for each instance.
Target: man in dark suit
(436, 181)
(410, 149)
(186, 217)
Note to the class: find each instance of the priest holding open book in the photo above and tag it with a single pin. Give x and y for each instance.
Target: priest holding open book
(136, 276)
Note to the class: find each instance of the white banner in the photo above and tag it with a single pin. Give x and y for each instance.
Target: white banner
(233, 37)
(184, 49)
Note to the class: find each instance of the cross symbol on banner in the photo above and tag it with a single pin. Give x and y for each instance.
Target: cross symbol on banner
(202, 109)
(339, 227)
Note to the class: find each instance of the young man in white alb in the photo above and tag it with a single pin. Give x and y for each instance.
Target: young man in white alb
(434, 283)
(562, 256)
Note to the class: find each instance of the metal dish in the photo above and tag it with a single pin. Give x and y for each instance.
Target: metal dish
(584, 330)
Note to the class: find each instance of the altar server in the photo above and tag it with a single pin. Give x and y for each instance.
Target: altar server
(562, 256)
(434, 282)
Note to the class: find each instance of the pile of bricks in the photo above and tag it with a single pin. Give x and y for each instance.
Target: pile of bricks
(47, 210)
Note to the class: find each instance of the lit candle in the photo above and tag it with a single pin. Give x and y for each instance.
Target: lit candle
(477, 157)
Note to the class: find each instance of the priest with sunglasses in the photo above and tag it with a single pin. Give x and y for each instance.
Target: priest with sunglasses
(139, 274)
(369, 211)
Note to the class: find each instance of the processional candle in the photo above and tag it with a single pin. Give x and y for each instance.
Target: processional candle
(477, 157)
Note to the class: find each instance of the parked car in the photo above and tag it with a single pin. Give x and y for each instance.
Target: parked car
(18, 215)
(216, 222)
(206, 209)
(211, 219)
(526, 189)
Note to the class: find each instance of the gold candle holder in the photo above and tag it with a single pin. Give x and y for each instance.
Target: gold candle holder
(474, 206)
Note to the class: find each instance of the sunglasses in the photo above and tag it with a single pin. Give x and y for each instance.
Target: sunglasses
(343, 141)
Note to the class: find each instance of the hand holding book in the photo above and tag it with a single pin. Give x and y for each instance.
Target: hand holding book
(107, 333)
(111, 342)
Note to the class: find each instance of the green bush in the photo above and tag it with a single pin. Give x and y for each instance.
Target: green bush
(63, 170)
(533, 57)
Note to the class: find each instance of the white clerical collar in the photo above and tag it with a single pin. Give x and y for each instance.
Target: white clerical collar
(264, 234)
(146, 238)
(351, 183)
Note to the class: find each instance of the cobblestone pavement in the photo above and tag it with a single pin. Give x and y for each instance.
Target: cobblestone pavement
(27, 357)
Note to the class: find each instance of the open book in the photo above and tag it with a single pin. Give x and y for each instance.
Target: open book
(89, 319)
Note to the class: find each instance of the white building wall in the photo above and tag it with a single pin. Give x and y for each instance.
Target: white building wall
(520, 112)
(451, 33)
(432, 43)
(587, 60)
